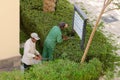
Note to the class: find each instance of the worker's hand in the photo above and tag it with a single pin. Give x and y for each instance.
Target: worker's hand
(37, 57)
(65, 37)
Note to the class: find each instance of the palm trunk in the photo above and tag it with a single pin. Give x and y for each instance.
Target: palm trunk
(49, 5)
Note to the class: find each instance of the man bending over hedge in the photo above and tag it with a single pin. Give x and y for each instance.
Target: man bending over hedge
(54, 36)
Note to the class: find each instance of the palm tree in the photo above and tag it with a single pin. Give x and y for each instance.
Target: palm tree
(49, 5)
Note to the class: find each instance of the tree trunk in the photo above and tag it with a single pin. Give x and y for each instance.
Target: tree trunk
(49, 5)
(106, 3)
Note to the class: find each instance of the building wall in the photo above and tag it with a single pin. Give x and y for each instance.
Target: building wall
(9, 30)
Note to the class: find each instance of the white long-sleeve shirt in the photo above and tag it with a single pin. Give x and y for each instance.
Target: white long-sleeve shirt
(29, 52)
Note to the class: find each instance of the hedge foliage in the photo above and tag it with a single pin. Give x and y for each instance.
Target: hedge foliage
(34, 19)
(58, 70)
(100, 48)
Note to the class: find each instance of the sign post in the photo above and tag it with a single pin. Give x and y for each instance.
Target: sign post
(79, 24)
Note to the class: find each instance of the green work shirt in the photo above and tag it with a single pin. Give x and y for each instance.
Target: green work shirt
(54, 36)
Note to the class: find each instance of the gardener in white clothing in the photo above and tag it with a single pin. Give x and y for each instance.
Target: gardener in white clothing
(31, 55)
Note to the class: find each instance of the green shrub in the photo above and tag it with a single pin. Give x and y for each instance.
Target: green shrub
(100, 48)
(54, 70)
(67, 70)
(33, 19)
(86, 72)
(13, 75)
(58, 70)
(23, 36)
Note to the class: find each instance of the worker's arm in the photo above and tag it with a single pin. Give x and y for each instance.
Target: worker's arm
(27, 51)
(59, 38)
(39, 57)
(36, 52)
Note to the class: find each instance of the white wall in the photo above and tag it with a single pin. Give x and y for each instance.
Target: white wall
(9, 28)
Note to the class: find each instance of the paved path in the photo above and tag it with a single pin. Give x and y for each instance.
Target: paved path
(111, 20)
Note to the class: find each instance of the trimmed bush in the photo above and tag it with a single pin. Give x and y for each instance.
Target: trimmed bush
(13, 75)
(58, 70)
(100, 48)
(33, 19)
(23, 36)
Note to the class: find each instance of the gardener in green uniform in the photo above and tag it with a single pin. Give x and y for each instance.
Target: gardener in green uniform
(53, 37)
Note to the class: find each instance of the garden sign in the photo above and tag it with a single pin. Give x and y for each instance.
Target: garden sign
(79, 24)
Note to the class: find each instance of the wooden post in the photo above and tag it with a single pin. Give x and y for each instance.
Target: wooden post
(106, 3)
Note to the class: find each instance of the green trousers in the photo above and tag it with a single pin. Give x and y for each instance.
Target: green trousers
(47, 52)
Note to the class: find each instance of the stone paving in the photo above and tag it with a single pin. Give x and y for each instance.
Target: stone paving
(111, 21)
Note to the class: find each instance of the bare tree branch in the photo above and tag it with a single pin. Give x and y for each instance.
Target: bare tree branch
(111, 10)
(107, 3)
(104, 2)
(117, 4)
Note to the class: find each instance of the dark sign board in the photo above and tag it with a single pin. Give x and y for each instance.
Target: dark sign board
(79, 24)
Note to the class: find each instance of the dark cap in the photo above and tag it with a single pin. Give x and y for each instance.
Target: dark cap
(62, 24)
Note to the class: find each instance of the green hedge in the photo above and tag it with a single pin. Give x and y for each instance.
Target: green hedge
(34, 19)
(58, 70)
(100, 48)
